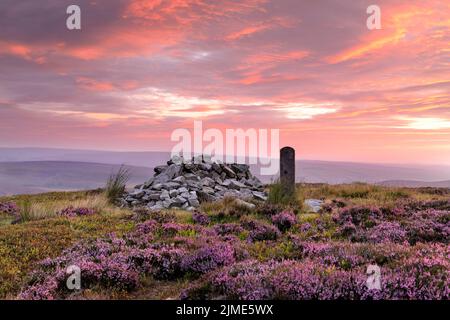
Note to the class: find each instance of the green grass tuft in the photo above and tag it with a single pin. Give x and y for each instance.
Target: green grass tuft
(116, 184)
(277, 195)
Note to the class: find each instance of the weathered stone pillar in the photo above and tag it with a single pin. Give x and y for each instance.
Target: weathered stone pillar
(287, 170)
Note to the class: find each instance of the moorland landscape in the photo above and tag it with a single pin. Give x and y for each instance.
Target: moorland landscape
(281, 248)
(225, 150)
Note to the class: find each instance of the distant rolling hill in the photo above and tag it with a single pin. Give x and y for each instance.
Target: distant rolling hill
(43, 176)
(31, 170)
(416, 184)
(347, 172)
(139, 159)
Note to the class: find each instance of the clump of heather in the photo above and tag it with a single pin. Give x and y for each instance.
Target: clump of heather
(244, 281)
(269, 209)
(118, 263)
(263, 233)
(113, 263)
(228, 228)
(359, 216)
(75, 212)
(429, 226)
(348, 230)
(394, 213)
(162, 262)
(9, 208)
(398, 224)
(292, 280)
(102, 263)
(305, 227)
(158, 216)
(314, 260)
(341, 256)
(172, 228)
(143, 234)
(425, 205)
(204, 231)
(386, 232)
(284, 220)
(434, 191)
(141, 214)
(149, 226)
(333, 205)
(40, 291)
(201, 218)
(423, 274)
(254, 280)
(209, 258)
(260, 231)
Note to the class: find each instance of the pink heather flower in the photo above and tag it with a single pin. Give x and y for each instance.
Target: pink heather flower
(9, 208)
(284, 220)
(75, 212)
(200, 218)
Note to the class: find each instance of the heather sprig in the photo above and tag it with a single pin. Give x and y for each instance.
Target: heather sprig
(75, 212)
(9, 208)
(284, 220)
(200, 218)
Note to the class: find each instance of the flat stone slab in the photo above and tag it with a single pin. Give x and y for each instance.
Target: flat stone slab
(314, 204)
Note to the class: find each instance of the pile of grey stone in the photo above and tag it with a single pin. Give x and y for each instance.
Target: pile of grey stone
(185, 184)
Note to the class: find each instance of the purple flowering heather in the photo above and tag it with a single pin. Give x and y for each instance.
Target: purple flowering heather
(342, 256)
(394, 213)
(244, 281)
(386, 232)
(259, 230)
(228, 228)
(209, 258)
(9, 208)
(305, 281)
(421, 275)
(204, 231)
(429, 226)
(149, 226)
(305, 227)
(143, 234)
(369, 224)
(253, 280)
(333, 205)
(359, 216)
(263, 233)
(172, 228)
(348, 229)
(75, 212)
(42, 291)
(284, 220)
(268, 209)
(162, 262)
(425, 205)
(222, 265)
(200, 218)
(102, 262)
(118, 263)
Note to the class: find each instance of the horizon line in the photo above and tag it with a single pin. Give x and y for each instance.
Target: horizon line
(164, 151)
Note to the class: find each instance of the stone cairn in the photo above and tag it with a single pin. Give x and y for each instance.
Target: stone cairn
(186, 184)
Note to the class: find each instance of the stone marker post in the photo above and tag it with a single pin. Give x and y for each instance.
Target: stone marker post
(287, 170)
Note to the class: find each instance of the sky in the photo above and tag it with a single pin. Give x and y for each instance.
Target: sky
(139, 69)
